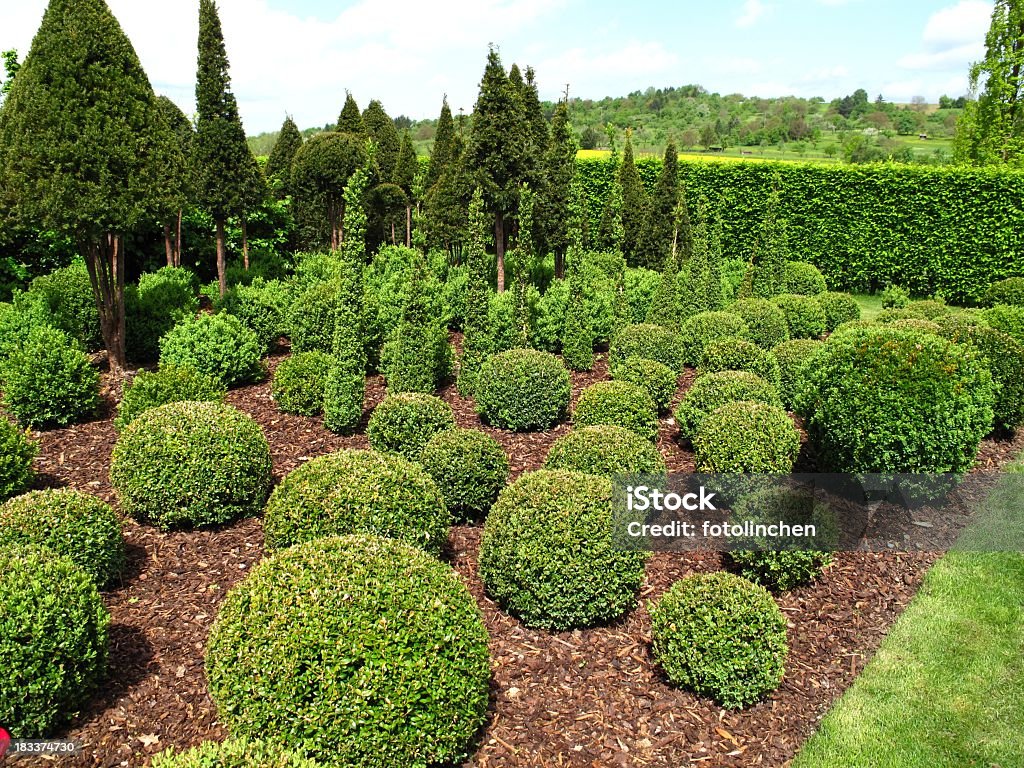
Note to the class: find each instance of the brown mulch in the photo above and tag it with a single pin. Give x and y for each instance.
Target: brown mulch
(581, 698)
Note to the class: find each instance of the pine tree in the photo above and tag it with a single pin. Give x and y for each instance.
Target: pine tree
(350, 120)
(635, 210)
(663, 205)
(279, 164)
(524, 255)
(405, 177)
(771, 251)
(381, 129)
(442, 153)
(174, 175)
(559, 170)
(476, 338)
(80, 147)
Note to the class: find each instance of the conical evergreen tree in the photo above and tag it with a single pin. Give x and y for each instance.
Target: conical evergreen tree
(635, 210)
(559, 171)
(682, 230)
(442, 153)
(350, 120)
(663, 206)
(476, 340)
(417, 359)
(279, 164)
(322, 167)
(699, 286)
(577, 335)
(664, 310)
(381, 129)
(405, 177)
(771, 250)
(446, 211)
(254, 193)
(176, 180)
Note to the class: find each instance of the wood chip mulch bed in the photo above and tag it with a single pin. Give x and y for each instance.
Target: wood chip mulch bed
(581, 698)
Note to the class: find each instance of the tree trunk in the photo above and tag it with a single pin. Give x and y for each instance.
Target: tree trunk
(408, 226)
(177, 243)
(332, 217)
(222, 278)
(560, 264)
(168, 245)
(393, 240)
(105, 263)
(245, 244)
(499, 248)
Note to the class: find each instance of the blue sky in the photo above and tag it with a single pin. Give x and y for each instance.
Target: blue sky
(298, 57)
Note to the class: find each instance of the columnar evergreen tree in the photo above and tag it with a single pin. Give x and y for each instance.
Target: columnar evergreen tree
(682, 228)
(418, 352)
(381, 129)
(80, 147)
(699, 286)
(476, 338)
(279, 164)
(442, 152)
(524, 255)
(175, 177)
(635, 210)
(663, 205)
(664, 310)
(577, 335)
(350, 120)
(446, 210)
(405, 177)
(322, 167)
(771, 250)
(254, 193)
(559, 171)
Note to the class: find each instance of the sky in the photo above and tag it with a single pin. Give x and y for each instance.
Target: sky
(298, 57)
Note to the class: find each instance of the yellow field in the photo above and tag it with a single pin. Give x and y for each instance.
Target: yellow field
(699, 157)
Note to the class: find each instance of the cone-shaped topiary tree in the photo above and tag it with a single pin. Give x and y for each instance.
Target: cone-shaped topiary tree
(771, 251)
(559, 171)
(405, 177)
(350, 120)
(524, 257)
(577, 335)
(322, 167)
(663, 205)
(664, 310)
(176, 182)
(476, 340)
(442, 152)
(381, 129)
(635, 211)
(279, 164)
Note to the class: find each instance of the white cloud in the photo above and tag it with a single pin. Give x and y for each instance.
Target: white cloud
(953, 38)
(751, 13)
(826, 74)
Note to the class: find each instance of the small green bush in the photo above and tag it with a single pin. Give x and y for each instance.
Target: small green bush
(745, 437)
(53, 647)
(405, 422)
(191, 464)
(357, 492)
(263, 307)
(547, 556)
(25, 312)
(895, 297)
(732, 354)
(360, 650)
(721, 636)
(659, 381)
(890, 316)
(839, 308)
(649, 341)
(311, 317)
(1004, 356)
(1009, 291)
(233, 753)
(67, 293)
(1006, 319)
(48, 381)
(927, 309)
(605, 450)
(299, 382)
(766, 323)
(802, 278)
(469, 467)
(705, 327)
(804, 316)
(960, 321)
(618, 403)
(523, 390)
(16, 454)
(171, 384)
(915, 324)
(794, 356)
(713, 390)
(216, 345)
(160, 301)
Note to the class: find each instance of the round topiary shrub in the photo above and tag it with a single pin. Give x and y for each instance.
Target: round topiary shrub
(705, 327)
(649, 341)
(804, 316)
(801, 278)
(619, 403)
(1009, 291)
(839, 308)
(766, 323)
(928, 309)
(191, 465)
(916, 324)
(523, 390)
(311, 318)
(714, 390)
(738, 355)
(656, 378)
(16, 454)
(469, 467)
(890, 316)
(215, 345)
(378, 657)
(233, 753)
(895, 297)
(605, 450)
(357, 492)
(746, 437)
(405, 422)
(171, 384)
(299, 382)
(721, 636)
(793, 357)
(961, 320)
(547, 555)
(77, 525)
(53, 647)
(263, 307)
(48, 381)
(890, 400)
(1004, 356)
(1006, 319)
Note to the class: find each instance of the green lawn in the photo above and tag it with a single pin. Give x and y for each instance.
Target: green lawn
(870, 305)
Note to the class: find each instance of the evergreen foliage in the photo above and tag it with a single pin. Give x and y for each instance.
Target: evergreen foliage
(666, 198)
(442, 153)
(417, 357)
(279, 164)
(664, 309)
(560, 175)
(766, 271)
(322, 167)
(635, 212)
(476, 340)
(381, 129)
(350, 120)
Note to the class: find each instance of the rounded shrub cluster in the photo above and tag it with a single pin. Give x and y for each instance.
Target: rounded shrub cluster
(766, 323)
(547, 555)
(890, 400)
(713, 390)
(928, 309)
(233, 753)
(721, 636)
(357, 492)
(469, 467)
(890, 316)
(77, 525)
(734, 354)
(1009, 291)
(619, 403)
(16, 454)
(191, 464)
(67, 292)
(744, 437)
(649, 341)
(405, 422)
(839, 308)
(215, 345)
(53, 647)
(802, 278)
(299, 381)
(793, 357)
(895, 297)
(170, 384)
(523, 390)
(960, 321)
(605, 450)
(916, 324)
(263, 307)
(705, 327)
(1004, 356)
(311, 318)
(656, 378)
(160, 301)
(1007, 319)
(362, 650)
(804, 315)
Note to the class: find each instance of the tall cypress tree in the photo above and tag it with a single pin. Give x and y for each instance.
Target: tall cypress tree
(80, 146)
(254, 193)
(279, 164)
(663, 206)
(405, 177)
(350, 120)
(635, 210)
(176, 181)
(446, 204)
(442, 152)
(771, 250)
(476, 339)
(322, 167)
(559, 172)
(381, 129)
(524, 255)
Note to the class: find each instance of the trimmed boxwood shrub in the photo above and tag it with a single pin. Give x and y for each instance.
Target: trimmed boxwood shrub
(216, 345)
(619, 403)
(160, 301)
(53, 643)
(714, 390)
(311, 318)
(470, 469)
(656, 378)
(927, 309)
(377, 657)
(523, 390)
(839, 308)
(48, 381)
(891, 400)
(16, 454)
(802, 278)
(357, 492)
(1006, 319)
(916, 324)
(746, 437)
(191, 464)
(721, 636)
(547, 556)
(804, 315)
(263, 307)
(650, 341)
(171, 384)
(890, 316)
(1004, 356)
(734, 354)
(233, 753)
(895, 297)
(77, 525)
(405, 422)
(1009, 291)
(766, 323)
(703, 328)
(793, 357)
(960, 321)
(605, 450)
(67, 292)
(299, 382)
